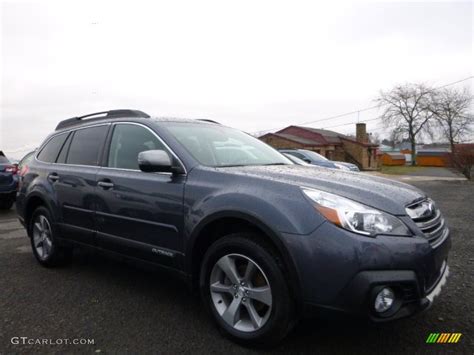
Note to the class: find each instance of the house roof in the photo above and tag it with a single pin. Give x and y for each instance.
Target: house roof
(464, 145)
(394, 155)
(294, 138)
(433, 152)
(314, 136)
(329, 136)
(317, 137)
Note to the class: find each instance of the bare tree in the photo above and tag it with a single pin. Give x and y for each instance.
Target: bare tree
(406, 108)
(396, 136)
(375, 138)
(450, 107)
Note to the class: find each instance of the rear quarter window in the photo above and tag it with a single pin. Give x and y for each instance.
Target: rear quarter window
(50, 151)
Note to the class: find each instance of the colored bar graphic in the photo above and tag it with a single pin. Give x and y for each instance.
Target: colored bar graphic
(443, 338)
(432, 338)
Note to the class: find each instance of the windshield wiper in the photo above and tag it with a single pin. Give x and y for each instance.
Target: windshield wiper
(231, 165)
(239, 165)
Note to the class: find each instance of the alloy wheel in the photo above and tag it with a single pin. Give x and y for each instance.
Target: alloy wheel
(42, 237)
(241, 292)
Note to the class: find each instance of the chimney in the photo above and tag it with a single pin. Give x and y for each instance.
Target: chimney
(361, 133)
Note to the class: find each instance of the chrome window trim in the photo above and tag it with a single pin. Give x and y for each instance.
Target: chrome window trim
(162, 142)
(106, 167)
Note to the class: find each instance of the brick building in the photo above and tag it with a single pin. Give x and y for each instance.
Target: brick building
(332, 145)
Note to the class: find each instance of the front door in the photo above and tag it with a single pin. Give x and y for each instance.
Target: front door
(138, 214)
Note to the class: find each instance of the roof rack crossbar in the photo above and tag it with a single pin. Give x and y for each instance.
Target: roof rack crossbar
(102, 115)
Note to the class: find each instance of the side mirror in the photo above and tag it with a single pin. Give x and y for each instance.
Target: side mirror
(152, 161)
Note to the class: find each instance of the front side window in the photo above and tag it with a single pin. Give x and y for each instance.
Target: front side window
(127, 142)
(50, 151)
(219, 146)
(86, 145)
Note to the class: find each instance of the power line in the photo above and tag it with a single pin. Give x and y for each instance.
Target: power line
(349, 123)
(358, 111)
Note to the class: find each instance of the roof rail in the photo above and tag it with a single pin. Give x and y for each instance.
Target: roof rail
(101, 115)
(206, 120)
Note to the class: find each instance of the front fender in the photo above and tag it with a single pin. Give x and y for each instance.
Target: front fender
(275, 237)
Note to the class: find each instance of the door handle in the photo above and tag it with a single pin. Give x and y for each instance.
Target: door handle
(105, 184)
(53, 177)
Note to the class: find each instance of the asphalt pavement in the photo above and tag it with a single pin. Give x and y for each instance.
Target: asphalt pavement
(115, 307)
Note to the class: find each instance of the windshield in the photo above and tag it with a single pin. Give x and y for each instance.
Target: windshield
(315, 156)
(295, 160)
(219, 146)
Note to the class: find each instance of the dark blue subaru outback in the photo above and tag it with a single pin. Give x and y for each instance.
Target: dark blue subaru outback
(264, 240)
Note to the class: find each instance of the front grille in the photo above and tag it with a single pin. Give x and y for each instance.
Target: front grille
(430, 221)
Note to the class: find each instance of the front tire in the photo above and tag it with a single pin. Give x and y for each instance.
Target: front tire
(243, 286)
(44, 241)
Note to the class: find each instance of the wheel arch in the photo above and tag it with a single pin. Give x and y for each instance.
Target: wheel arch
(211, 229)
(34, 201)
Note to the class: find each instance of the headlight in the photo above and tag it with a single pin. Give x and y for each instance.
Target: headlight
(354, 216)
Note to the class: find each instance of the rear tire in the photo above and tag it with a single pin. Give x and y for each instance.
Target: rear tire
(44, 242)
(243, 286)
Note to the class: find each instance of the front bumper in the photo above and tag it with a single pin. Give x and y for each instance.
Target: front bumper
(341, 271)
(438, 286)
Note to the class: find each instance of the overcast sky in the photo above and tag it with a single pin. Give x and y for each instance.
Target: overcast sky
(254, 65)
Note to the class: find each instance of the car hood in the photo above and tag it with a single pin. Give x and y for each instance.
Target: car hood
(326, 164)
(386, 195)
(344, 163)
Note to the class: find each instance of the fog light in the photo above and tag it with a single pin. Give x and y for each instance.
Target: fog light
(384, 300)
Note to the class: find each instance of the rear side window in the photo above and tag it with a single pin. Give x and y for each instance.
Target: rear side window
(86, 145)
(50, 151)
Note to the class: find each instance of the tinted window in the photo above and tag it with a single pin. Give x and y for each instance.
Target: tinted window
(85, 146)
(4, 160)
(127, 142)
(62, 155)
(297, 155)
(51, 150)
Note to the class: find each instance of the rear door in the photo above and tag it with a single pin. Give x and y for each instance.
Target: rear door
(74, 177)
(139, 214)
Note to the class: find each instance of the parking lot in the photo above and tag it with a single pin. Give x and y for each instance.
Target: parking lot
(124, 308)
